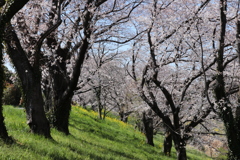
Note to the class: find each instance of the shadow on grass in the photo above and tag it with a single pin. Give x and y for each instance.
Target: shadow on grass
(143, 149)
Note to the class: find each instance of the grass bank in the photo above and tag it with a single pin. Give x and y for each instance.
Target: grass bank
(90, 138)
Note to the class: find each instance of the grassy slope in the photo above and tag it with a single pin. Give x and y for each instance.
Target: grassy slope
(90, 138)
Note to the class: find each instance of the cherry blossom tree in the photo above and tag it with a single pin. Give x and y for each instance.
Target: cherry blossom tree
(25, 54)
(57, 42)
(96, 22)
(182, 49)
(107, 82)
(225, 105)
(7, 11)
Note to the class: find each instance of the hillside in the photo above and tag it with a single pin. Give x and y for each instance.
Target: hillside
(90, 138)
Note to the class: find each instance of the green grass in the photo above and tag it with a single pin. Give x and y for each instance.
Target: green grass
(90, 138)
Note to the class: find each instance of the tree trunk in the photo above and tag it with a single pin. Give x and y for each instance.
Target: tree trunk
(180, 146)
(237, 114)
(123, 116)
(62, 113)
(181, 153)
(3, 130)
(148, 129)
(226, 112)
(232, 132)
(167, 143)
(98, 92)
(31, 82)
(37, 120)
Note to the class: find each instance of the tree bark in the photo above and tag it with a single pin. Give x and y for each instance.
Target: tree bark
(180, 146)
(226, 113)
(3, 131)
(167, 142)
(148, 129)
(60, 111)
(4, 19)
(31, 83)
(62, 114)
(37, 120)
(123, 116)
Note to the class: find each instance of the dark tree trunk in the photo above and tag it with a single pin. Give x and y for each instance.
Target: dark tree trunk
(167, 143)
(4, 19)
(37, 120)
(60, 110)
(181, 153)
(3, 131)
(31, 82)
(123, 116)
(148, 128)
(62, 114)
(232, 132)
(226, 113)
(180, 146)
(237, 114)
(98, 92)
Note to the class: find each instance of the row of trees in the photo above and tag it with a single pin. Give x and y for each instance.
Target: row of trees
(175, 57)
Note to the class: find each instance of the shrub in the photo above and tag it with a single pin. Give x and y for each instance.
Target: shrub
(12, 95)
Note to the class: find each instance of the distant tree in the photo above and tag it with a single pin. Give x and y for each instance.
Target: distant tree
(7, 76)
(108, 84)
(12, 95)
(12, 88)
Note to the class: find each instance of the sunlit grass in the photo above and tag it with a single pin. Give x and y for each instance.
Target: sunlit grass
(90, 138)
